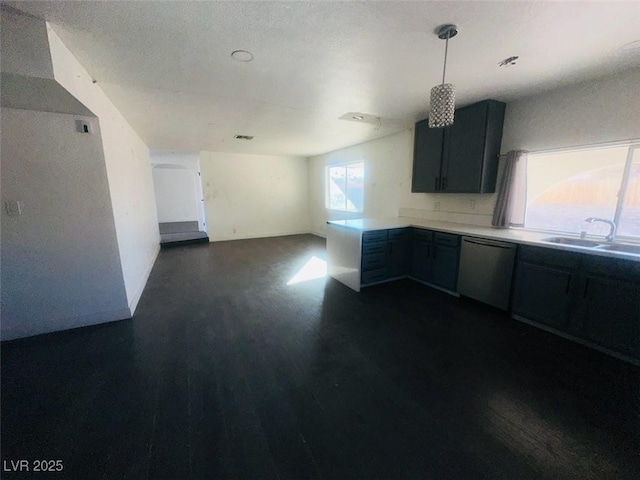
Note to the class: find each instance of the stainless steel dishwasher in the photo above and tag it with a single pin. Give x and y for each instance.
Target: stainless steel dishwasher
(486, 268)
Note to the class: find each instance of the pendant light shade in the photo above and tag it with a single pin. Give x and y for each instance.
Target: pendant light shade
(443, 97)
(443, 105)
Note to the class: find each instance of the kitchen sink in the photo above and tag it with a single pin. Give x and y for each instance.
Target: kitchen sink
(578, 242)
(598, 245)
(616, 247)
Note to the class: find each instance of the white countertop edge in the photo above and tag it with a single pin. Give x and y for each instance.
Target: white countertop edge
(524, 237)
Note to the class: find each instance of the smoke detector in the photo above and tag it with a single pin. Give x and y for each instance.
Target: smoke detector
(242, 55)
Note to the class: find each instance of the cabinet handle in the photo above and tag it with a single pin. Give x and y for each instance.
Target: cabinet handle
(390, 248)
(586, 288)
(568, 285)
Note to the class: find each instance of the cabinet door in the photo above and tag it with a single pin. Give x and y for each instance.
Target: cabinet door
(421, 255)
(427, 157)
(464, 150)
(609, 314)
(444, 271)
(398, 252)
(542, 294)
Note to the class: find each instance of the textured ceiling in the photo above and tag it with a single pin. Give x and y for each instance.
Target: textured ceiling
(167, 65)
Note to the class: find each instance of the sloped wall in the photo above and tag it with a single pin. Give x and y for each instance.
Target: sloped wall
(128, 170)
(60, 262)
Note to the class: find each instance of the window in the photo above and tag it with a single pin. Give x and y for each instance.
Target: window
(345, 187)
(565, 188)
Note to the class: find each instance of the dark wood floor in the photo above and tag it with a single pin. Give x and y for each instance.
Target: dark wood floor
(228, 372)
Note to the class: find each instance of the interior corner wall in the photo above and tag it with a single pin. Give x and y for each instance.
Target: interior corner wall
(249, 196)
(128, 170)
(597, 111)
(60, 262)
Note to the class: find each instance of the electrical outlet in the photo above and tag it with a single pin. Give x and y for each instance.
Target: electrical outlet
(436, 206)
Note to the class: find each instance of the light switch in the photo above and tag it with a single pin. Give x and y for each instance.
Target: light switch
(13, 208)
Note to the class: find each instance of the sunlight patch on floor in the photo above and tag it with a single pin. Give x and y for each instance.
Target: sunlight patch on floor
(313, 269)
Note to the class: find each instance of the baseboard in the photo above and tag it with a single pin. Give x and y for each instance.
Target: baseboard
(133, 304)
(436, 287)
(182, 243)
(568, 336)
(224, 238)
(69, 323)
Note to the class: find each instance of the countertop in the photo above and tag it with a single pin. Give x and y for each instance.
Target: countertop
(514, 235)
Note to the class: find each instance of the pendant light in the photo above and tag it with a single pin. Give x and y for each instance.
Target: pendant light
(443, 97)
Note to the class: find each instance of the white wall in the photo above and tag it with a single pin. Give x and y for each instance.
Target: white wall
(60, 262)
(603, 110)
(25, 47)
(178, 189)
(128, 170)
(249, 196)
(387, 173)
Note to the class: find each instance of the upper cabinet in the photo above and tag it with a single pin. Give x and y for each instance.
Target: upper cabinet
(462, 158)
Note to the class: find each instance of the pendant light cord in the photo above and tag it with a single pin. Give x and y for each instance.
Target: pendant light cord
(446, 47)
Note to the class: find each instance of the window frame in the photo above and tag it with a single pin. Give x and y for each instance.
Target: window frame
(327, 195)
(632, 146)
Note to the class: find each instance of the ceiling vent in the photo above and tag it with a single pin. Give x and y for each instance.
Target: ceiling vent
(360, 117)
(243, 137)
(507, 62)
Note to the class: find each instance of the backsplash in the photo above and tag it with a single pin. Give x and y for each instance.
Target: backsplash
(480, 220)
(471, 209)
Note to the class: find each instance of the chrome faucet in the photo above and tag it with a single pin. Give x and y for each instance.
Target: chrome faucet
(612, 227)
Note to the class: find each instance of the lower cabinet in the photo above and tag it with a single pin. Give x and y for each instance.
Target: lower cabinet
(435, 257)
(596, 299)
(607, 310)
(542, 294)
(422, 254)
(421, 245)
(398, 252)
(446, 254)
(385, 255)
(374, 257)
(588, 297)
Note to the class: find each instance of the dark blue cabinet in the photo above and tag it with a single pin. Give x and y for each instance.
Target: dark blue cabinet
(446, 254)
(542, 294)
(422, 241)
(592, 298)
(543, 282)
(385, 255)
(374, 257)
(427, 158)
(435, 257)
(462, 158)
(398, 252)
(607, 306)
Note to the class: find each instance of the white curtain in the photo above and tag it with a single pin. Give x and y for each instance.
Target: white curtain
(512, 191)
